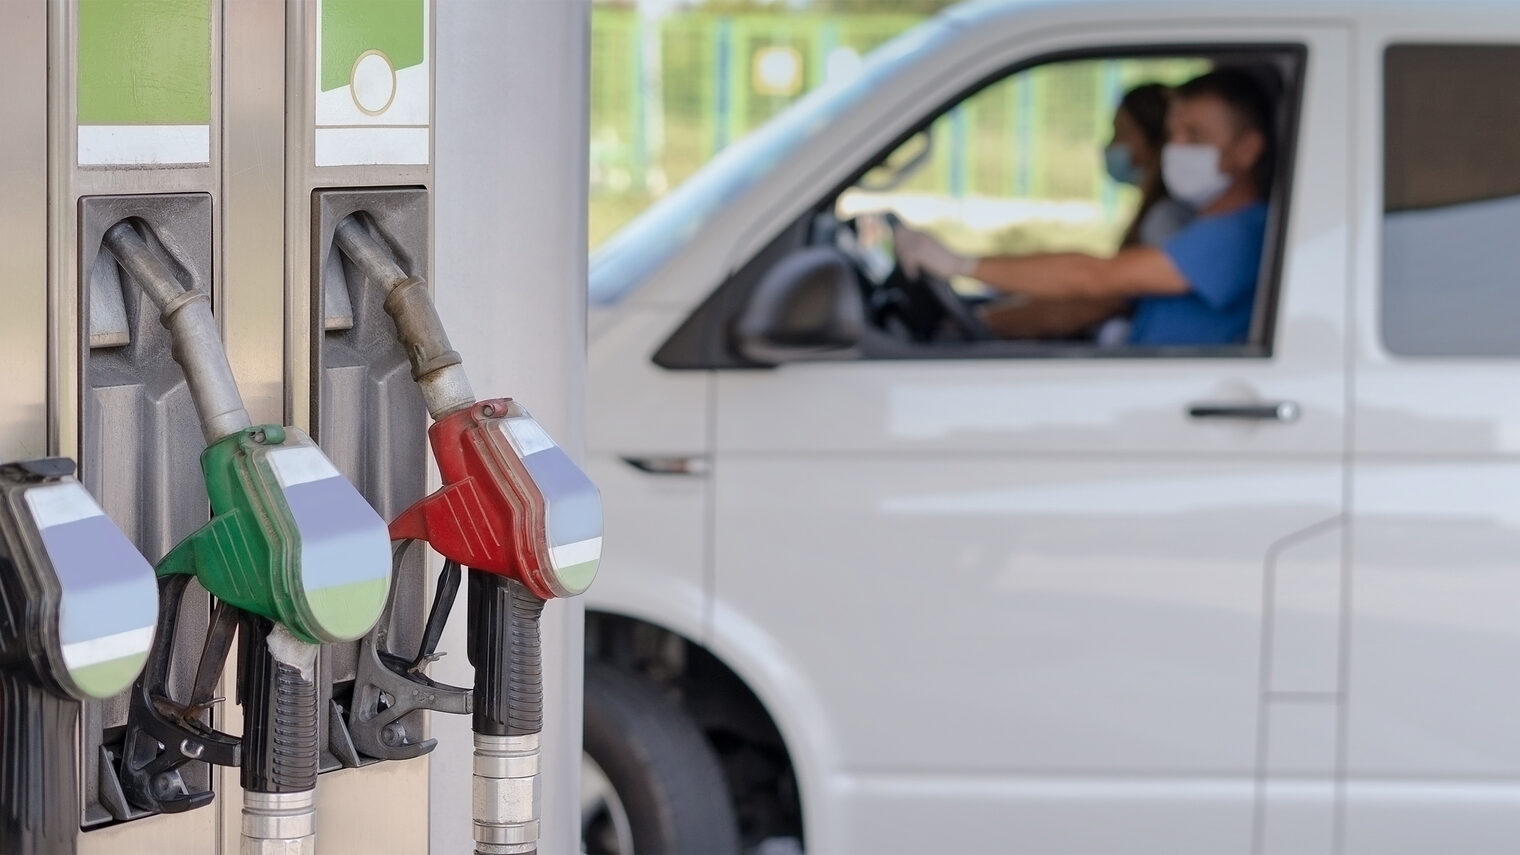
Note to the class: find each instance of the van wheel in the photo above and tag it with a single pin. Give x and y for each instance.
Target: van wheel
(650, 783)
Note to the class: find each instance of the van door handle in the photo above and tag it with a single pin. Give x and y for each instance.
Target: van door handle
(693, 465)
(1265, 411)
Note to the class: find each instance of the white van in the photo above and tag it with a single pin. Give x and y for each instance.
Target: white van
(880, 587)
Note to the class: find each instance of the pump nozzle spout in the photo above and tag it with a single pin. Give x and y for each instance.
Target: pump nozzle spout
(197, 346)
(436, 367)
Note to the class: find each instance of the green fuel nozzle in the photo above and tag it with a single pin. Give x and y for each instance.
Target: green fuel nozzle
(294, 557)
(289, 539)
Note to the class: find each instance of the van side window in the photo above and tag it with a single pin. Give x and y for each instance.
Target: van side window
(1451, 201)
(1053, 157)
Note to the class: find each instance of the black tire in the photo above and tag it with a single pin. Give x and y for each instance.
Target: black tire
(660, 766)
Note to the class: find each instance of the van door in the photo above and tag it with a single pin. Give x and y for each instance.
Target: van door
(1034, 598)
(1433, 758)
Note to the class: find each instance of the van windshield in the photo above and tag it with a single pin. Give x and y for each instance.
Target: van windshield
(622, 263)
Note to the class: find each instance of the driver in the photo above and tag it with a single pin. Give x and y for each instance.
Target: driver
(1199, 286)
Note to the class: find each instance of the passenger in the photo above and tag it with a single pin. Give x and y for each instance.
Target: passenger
(1134, 157)
(1199, 286)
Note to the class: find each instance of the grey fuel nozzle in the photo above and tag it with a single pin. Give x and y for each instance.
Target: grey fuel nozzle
(78, 605)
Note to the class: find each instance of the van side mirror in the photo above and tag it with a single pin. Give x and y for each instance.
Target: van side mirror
(807, 307)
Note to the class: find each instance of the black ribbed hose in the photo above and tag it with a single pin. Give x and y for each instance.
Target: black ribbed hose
(279, 716)
(39, 801)
(505, 648)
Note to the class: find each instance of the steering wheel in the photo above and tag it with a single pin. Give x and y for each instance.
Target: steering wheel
(876, 278)
(937, 292)
(956, 309)
(923, 303)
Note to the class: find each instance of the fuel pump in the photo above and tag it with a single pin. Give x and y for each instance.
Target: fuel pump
(77, 612)
(520, 514)
(294, 557)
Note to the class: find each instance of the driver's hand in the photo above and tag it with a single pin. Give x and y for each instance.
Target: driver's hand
(919, 252)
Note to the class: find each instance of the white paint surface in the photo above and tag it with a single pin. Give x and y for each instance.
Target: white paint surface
(367, 146)
(137, 145)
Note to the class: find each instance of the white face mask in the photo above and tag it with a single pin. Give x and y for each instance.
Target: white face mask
(1191, 172)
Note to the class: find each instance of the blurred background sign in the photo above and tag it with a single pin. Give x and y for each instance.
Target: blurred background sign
(777, 71)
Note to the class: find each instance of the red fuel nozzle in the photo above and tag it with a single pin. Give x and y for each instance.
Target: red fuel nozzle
(512, 502)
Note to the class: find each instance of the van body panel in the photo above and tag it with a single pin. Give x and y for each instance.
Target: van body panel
(657, 539)
(1432, 752)
(1067, 605)
(1434, 600)
(1048, 815)
(642, 408)
(1414, 817)
(657, 546)
(1444, 407)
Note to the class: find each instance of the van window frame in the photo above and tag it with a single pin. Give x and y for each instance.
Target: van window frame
(701, 341)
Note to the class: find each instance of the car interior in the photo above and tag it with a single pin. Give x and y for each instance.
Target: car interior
(828, 287)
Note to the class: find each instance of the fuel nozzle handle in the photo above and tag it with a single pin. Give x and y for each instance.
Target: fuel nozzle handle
(278, 692)
(197, 346)
(163, 735)
(37, 742)
(506, 650)
(436, 366)
(388, 686)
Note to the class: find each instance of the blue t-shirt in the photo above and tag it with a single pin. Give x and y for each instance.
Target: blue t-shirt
(1219, 257)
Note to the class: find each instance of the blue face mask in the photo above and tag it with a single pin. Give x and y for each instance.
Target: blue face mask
(1120, 164)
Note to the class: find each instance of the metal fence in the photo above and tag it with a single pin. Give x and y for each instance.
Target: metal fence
(668, 93)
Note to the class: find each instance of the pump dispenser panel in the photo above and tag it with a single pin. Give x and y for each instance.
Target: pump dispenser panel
(294, 557)
(369, 417)
(138, 416)
(139, 440)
